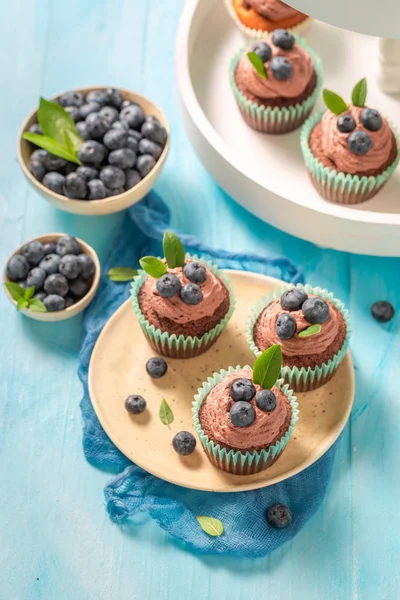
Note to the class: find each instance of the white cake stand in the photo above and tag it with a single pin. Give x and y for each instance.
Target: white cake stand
(266, 174)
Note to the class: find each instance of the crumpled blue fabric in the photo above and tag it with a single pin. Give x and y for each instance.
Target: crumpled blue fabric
(174, 508)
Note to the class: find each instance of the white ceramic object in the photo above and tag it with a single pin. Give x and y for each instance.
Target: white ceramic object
(389, 62)
(266, 174)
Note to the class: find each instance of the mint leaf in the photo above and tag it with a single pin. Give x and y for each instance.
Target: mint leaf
(153, 266)
(359, 93)
(55, 121)
(211, 526)
(312, 330)
(333, 102)
(73, 140)
(121, 273)
(37, 305)
(166, 414)
(16, 291)
(258, 64)
(174, 251)
(51, 146)
(22, 303)
(267, 367)
(29, 292)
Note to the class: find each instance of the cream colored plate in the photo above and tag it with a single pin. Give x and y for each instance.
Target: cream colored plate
(117, 369)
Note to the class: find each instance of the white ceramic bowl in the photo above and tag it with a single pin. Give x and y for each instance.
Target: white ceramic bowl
(71, 311)
(108, 205)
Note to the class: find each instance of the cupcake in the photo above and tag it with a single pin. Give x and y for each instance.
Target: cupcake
(311, 326)
(350, 150)
(244, 417)
(276, 82)
(256, 18)
(182, 303)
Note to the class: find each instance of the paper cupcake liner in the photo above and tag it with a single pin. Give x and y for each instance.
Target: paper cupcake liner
(276, 119)
(234, 461)
(341, 187)
(302, 379)
(180, 346)
(257, 34)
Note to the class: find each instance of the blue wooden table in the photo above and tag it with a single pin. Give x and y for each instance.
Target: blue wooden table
(56, 541)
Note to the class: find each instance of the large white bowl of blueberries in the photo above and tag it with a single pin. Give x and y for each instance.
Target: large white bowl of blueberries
(94, 151)
(52, 277)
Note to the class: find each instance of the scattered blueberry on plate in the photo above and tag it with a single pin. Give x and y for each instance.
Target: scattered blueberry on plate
(184, 443)
(279, 516)
(156, 367)
(135, 404)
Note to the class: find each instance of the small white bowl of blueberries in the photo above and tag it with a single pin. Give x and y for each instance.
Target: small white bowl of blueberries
(94, 151)
(52, 277)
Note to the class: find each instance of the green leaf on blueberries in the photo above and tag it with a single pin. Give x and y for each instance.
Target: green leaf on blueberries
(16, 291)
(29, 292)
(37, 305)
(51, 146)
(56, 122)
(359, 93)
(312, 330)
(333, 102)
(22, 303)
(267, 367)
(23, 297)
(121, 273)
(153, 266)
(258, 64)
(211, 526)
(174, 251)
(166, 414)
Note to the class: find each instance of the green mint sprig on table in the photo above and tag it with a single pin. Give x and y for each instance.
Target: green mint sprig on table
(121, 274)
(267, 368)
(24, 297)
(312, 330)
(60, 136)
(174, 254)
(359, 93)
(211, 525)
(258, 64)
(166, 415)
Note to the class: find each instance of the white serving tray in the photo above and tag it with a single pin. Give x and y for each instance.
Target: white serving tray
(266, 174)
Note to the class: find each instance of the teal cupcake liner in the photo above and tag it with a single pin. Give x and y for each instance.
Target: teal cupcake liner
(274, 119)
(235, 461)
(302, 379)
(341, 187)
(179, 346)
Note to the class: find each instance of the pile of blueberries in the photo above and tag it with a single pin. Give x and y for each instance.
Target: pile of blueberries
(242, 413)
(169, 284)
(359, 141)
(61, 273)
(121, 146)
(281, 67)
(315, 311)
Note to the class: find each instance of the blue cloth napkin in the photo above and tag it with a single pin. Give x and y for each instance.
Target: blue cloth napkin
(174, 508)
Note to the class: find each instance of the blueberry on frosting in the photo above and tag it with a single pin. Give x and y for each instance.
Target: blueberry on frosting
(293, 299)
(315, 310)
(346, 123)
(283, 39)
(242, 414)
(359, 142)
(191, 294)
(263, 50)
(285, 326)
(266, 400)
(371, 119)
(168, 285)
(195, 272)
(242, 390)
(281, 67)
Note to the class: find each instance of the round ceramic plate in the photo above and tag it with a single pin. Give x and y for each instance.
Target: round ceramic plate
(117, 369)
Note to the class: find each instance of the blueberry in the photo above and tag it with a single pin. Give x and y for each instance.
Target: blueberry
(73, 111)
(70, 266)
(145, 164)
(279, 516)
(40, 296)
(69, 301)
(71, 99)
(168, 285)
(79, 287)
(33, 252)
(75, 186)
(132, 116)
(132, 178)
(116, 138)
(242, 390)
(114, 97)
(97, 190)
(124, 158)
(50, 263)
(114, 192)
(37, 169)
(50, 248)
(126, 103)
(56, 284)
(152, 130)
(263, 50)
(281, 67)
(345, 123)
(359, 142)
(135, 404)
(112, 177)
(283, 39)
(17, 268)
(315, 310)
(191, 294)
(119, 125)
(266, 400)
(54, 302)
(82, 130)
(195, 272)
(39, 155)
(382, 311)
(184, 443)
(35, 128)
(69, 168)
(54, 181)
(148, 147)
(110, 113)
(371, 119)
(88, 173)
(293, 299)
(242, 414)
(99, 96)
(36, 277)
(135, 134)
(91, 153)
(87, 109)
(156, 367)
(285, 326)
(54, 163)
(68, 245)
(96, 125)
(133, 144)
(87, 266)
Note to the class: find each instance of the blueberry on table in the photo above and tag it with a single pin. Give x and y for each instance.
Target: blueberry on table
(191, 294)
(281, 67)
(17, 268)
(156, 367)
(79, 287)
(82, 130)
(75, 186)
(50, 248)
(135, 404)
(91, 153)
(71, 99)
(99, 96)
(97, 190)
(112, 177)
(145, 164)
(283, 39)
(56, 284)
(359, 142)
(266, 400)
(87, 265)
(371, 119)
(54, 302)
(67, 244)
(315, 310)
(168, 285)
(54, 181)
(36, 277)
(132, 116)
(242, 414)
(184, 443)
(73, 111)
(88, 173)
(382, 311)
(114, 97)
(33, 252)
(293, 299)
(242, 389)
(279, 516)
(285, 326)
(116, 138)
(263, 50)
(146, 146)
(35, 128)
(70, 266)
(54, 163)
(154, 131)
(37, 168)
(195, 272)
(87, 109)
(345, 123)
(50, 263)
(40, 296)
(132, 178)
(39, 154)
(110, 113)
(96, 125)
